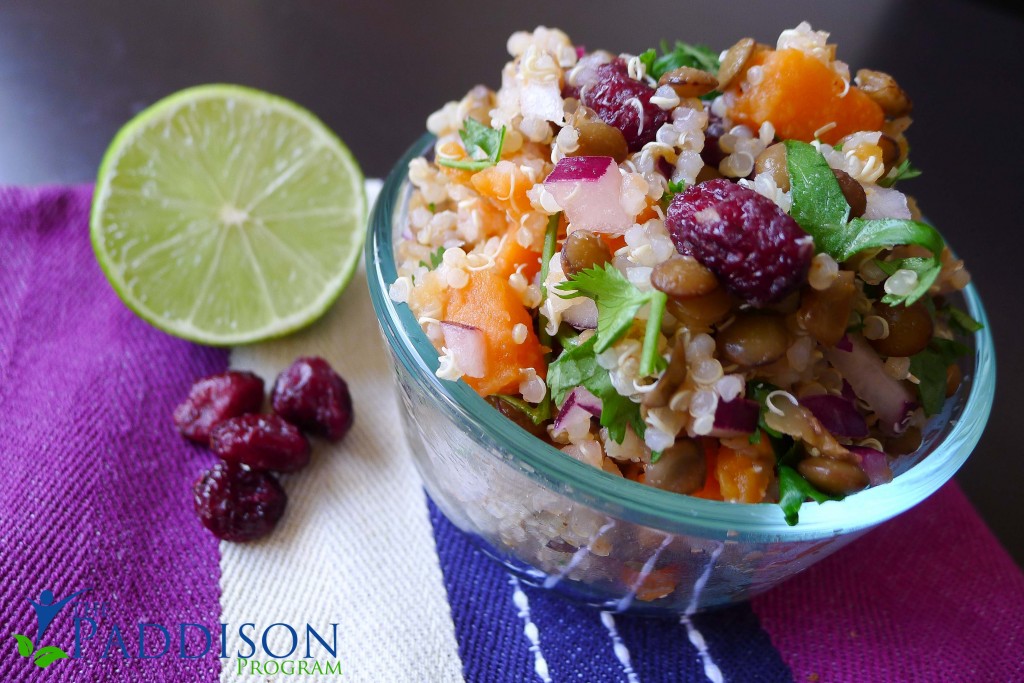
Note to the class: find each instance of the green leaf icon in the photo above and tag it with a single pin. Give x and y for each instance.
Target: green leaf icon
(49, 654)
(24, 645)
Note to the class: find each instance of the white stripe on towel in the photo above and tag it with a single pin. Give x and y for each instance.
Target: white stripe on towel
(621, 651)
(522, 604)
(711, 670)
(355, 546)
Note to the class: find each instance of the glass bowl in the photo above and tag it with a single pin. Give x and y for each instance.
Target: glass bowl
(611, 542)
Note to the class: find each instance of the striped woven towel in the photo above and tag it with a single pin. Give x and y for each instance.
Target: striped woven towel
(364, 580)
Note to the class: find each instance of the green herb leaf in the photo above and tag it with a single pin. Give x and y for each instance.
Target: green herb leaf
(905, 171)
(930, 370)
(548, 250)
(578, 366)
(929, 367)
(24, 645)
(758, 391)
(648, 58)
(963, 322)
(681, 54)
(673, 189)
(483, 144)
(617, 304)
(860, 234)
(567, 337)
(927, 271)
(538, 414)
(655, 456)
(820, 208)
(818, 201)
(950, 350)
(435, 259)
(794, 490)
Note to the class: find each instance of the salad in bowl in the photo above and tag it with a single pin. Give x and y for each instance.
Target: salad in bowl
(690, 270)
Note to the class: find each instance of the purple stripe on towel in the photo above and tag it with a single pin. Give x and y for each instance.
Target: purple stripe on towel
(94, 480)
(929, 596)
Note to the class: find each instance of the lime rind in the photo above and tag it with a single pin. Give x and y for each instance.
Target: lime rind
(280, 280)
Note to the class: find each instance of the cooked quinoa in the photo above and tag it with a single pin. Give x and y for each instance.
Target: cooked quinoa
(694, 270)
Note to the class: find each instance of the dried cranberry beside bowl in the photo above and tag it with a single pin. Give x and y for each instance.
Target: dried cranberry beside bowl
(504, 486)
(238, 504)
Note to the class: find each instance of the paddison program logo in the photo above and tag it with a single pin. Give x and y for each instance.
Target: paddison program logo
(94, 626)
(46, 609)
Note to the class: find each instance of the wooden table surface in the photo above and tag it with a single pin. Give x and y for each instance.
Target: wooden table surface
(72, 71)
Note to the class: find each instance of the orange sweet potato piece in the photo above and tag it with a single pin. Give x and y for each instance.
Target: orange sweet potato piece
(657, 584)
(513, 254)
(710, 490)
(505, 185)
(799, 94)
(453, 151)
(489, 303)
(744, 476)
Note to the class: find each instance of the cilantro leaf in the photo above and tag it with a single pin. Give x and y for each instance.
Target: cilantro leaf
(820, 208)
(537, 414)
(617, 304)
(758, 390)
(963, 322)
(794, 490)
(648, 57)
(818, 201)
(950, 350)
(929, 367)
(483, 145)
(435, 259)
(930, 370)
(905, 171)
(578, 366)
(682, 54)
(673, 189)
(927, 270)
(859, 234)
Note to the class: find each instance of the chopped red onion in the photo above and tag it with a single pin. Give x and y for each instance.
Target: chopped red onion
(588, 190)
(580, 405)
(582, 314)
(838, 415)
(845, 344)
(865, 372)
(467, 346)
(874, 463)
(735, 418)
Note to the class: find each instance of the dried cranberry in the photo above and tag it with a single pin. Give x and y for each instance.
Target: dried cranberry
(262, 442)
(625, 103)
(755, 249)
(216, 398)
(313, 396)
(237, 504)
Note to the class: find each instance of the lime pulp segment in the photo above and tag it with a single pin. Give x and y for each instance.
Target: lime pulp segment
(225, 215)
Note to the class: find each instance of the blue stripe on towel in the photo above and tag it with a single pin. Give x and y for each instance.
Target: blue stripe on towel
(574, 642)
(741, 647)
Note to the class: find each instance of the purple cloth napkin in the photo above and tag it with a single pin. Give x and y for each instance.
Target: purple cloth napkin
(95, 495)
(94, 480)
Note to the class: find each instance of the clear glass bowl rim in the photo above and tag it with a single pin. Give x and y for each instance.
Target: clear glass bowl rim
(625, 499)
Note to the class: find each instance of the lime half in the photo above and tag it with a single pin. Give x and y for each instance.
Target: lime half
(225, 215)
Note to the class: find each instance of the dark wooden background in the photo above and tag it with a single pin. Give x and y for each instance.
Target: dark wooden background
(71, 72)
